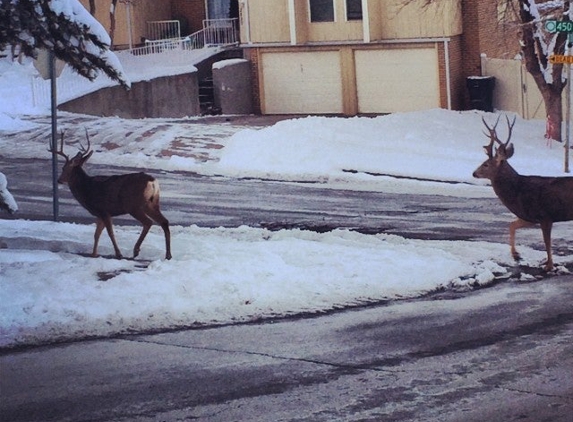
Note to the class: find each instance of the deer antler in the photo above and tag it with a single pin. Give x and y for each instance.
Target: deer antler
(83, 150)
(492, 136)
(509, 129)
(61, 150)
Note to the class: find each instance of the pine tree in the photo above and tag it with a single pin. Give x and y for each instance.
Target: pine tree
(60, 26)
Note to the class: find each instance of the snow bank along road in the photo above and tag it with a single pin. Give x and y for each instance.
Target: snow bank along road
(500, 354)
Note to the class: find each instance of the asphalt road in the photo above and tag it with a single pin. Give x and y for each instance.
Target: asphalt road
(189, 198)
(500, 354)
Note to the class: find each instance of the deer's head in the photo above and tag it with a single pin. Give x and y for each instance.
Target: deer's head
(72, 164)
(495, 157)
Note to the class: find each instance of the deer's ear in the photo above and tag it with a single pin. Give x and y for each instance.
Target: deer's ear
(86, 158)
(509, 151)
(77, 160)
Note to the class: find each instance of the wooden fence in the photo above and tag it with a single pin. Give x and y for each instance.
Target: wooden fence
(515, 90)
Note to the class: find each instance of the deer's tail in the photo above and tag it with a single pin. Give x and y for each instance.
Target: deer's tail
(151, 193)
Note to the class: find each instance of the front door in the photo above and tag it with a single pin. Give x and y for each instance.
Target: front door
(218, 9)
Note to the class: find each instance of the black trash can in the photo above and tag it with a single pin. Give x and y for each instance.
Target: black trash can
(481, 92)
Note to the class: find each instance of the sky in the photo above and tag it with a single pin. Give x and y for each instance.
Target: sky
(51, 291)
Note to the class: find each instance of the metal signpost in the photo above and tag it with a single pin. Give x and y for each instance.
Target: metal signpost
(567, 27)
(46, 65)
(568, 96)
(54, 102)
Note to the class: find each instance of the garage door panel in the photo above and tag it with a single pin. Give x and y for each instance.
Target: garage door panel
(296, 83)
(396, 80)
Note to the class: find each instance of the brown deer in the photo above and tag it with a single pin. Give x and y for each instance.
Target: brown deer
(136, 194)
(533, 199)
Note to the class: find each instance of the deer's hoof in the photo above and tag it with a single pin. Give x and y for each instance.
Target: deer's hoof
(516, 256)
(168, 256)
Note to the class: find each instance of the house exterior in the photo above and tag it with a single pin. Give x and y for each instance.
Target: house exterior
(132, 17)
(348, 57)
(353, 57)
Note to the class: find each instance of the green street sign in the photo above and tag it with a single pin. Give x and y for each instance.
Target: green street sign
(559, 26)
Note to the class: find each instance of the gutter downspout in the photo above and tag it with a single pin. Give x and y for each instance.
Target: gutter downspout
(292, 22)
(365, 21)
(448, 74)
(246, 20)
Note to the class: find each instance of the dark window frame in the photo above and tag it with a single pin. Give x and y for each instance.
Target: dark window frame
(353, 10)
(321, 10)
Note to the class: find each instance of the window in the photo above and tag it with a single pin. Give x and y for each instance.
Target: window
(353, 10)
(321, 10)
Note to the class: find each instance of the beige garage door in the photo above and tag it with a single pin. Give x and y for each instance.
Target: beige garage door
(298, 83)
(389, 81)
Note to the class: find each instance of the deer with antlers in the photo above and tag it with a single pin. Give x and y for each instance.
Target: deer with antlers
(533, 199)
(136, 194)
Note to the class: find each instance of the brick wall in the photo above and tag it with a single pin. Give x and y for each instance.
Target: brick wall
(485, 33)
(253, 55)
(192, 12)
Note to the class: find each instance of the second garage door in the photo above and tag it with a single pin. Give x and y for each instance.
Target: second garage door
(302, 82)
(396, 80)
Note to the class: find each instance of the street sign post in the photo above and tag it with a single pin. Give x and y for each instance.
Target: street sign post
(53, 140)
(554, 26)
(568, 123)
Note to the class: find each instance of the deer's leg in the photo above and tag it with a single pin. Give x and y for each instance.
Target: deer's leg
(513, 226)
(109, 228)
(164, 223)
(546, 229)
(147, 223)
(99, 228)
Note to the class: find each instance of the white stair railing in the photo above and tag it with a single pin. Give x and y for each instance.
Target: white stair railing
(161, 30)
(215, 33)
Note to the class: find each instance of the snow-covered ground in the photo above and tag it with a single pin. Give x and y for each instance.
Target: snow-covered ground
(50, 291)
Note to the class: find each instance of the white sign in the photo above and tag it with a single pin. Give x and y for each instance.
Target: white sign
(42, 64)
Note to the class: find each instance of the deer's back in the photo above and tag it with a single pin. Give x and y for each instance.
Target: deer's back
(116, 195)
(536, 198)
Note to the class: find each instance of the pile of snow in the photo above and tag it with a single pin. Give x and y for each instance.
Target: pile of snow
(17, 95)
(435, 145)
(50, 292)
